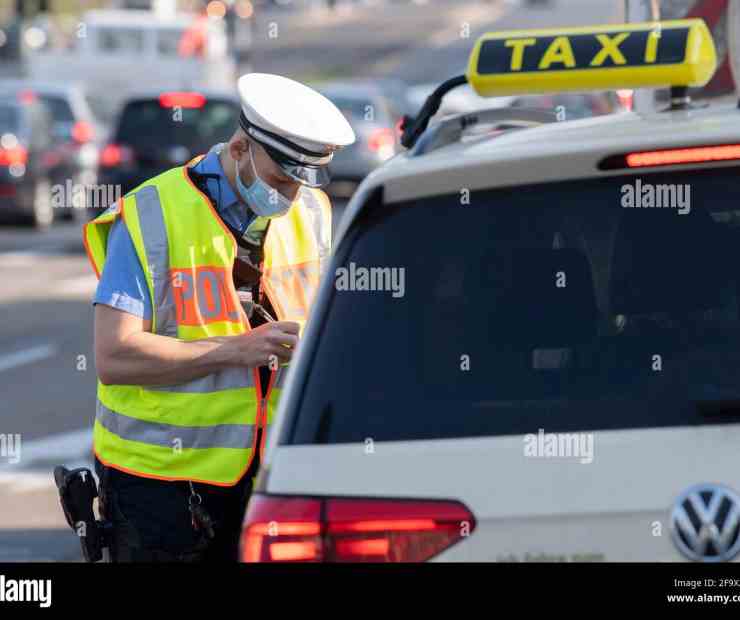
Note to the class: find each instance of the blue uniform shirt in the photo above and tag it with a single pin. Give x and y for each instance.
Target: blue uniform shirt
(123, 285)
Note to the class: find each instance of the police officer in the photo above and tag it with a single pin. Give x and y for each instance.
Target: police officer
(188, 376)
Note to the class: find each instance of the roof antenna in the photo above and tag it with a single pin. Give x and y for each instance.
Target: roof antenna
(414, 127)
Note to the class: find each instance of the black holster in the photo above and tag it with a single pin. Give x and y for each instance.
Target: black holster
(77, 492)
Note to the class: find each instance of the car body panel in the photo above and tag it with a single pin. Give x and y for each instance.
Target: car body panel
(524, 505)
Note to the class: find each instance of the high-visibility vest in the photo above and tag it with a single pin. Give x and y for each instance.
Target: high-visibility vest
(203, 430)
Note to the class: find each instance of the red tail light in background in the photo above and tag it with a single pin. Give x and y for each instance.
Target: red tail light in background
(182, 100)
(294, 529)
(27, 96)
(18, 155)
(116, 155)
(82, 132)
(381, 138)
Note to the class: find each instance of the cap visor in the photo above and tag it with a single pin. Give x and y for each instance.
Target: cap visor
(312, 176)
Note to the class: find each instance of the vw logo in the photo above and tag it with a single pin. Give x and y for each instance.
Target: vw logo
(705, 523)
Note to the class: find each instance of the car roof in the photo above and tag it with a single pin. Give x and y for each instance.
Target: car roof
(10, 99)
(49, 88)
(545, 153)
(527, 155)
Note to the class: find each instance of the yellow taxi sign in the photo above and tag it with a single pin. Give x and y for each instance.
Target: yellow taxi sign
(652, 54)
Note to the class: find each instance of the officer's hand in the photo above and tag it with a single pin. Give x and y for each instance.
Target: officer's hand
(258, 346)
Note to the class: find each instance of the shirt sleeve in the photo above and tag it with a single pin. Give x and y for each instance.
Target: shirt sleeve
(122, 284)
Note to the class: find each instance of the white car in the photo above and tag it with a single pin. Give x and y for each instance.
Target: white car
(528, 347)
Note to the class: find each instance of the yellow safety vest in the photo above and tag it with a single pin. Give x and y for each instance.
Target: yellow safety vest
(204, 430)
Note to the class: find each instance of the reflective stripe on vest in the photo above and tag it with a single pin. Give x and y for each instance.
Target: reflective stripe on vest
(229, 379)
(156, 248)
(171, 436)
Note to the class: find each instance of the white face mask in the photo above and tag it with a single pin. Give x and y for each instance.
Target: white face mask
(262, 198)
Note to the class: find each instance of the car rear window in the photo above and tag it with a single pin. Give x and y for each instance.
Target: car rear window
(146, 123)
(169, 41)
(554, 306)
(59, 108)
(120, 40)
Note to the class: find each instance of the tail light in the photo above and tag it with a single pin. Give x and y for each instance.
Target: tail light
(381, 139)
(116, 155)
(82, 132)
(16, 156)
(295, 529)
(182, 100)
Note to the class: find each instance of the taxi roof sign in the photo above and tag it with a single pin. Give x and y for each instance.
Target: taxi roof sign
(645, 55)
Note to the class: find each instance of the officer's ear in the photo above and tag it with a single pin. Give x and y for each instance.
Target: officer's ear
(238, 146)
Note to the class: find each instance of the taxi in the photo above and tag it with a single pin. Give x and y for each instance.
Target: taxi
(527, 344)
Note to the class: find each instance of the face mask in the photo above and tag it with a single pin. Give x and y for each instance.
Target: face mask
(262, 198)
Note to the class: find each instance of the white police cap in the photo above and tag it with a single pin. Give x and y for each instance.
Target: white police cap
(298, 127)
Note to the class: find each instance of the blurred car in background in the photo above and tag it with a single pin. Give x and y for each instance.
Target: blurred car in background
(75, 131)
(160, 130)
(26, 161)
(572, 106)
(375, 121)
(395, 90)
